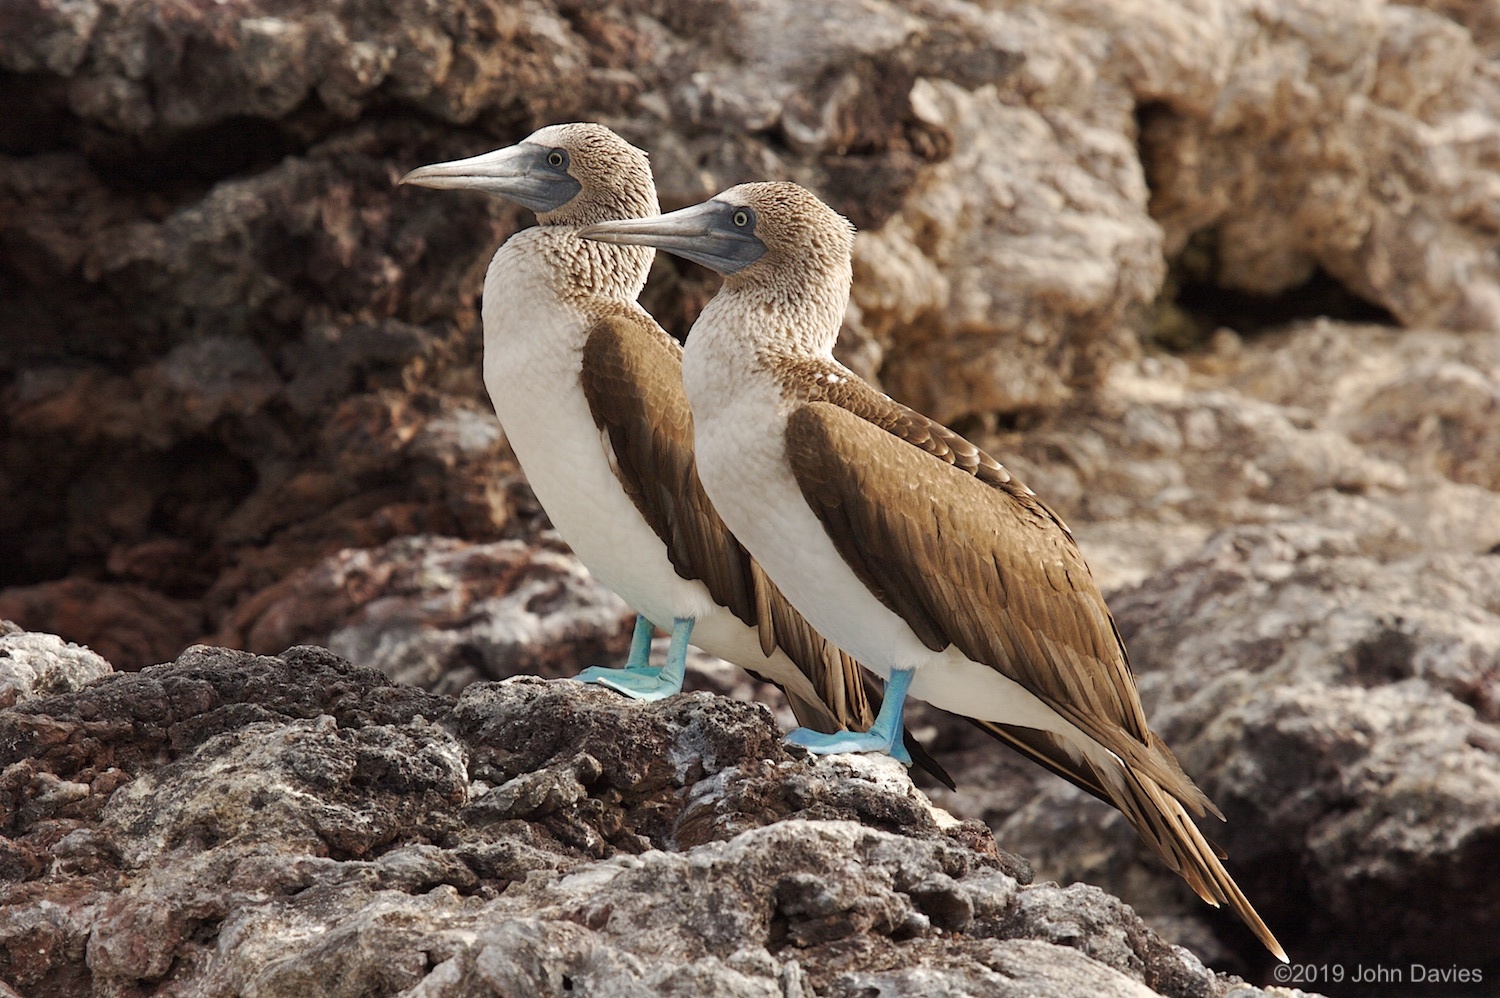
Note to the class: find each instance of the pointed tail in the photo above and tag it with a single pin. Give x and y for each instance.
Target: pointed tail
(1157, 816)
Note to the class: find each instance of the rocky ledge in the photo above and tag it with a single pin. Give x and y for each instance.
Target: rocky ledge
(233, 824)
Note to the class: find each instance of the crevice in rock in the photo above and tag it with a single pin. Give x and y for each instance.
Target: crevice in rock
(980, 426)
(1192, 306)
(34, 115)
(50, 318)
(74, 524)
(181, 165)
(1320, 296)
(1383, 658)
(1194, 300)
(172, 165)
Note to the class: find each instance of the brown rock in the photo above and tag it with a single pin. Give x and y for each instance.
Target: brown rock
(128, 623)
(1314, 146)
(240, 824)
(221, 288)
(442, 613)
(236, 364)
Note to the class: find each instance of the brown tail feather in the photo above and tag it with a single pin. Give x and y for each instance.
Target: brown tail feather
(1157, 816)
(809, 713)
(1038, 746)
(1197, 857)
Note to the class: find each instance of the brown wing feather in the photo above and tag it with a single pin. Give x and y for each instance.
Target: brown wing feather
(996, 573)
(632, 380)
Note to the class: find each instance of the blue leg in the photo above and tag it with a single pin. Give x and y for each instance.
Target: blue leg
(638, 680)
(884, 735)
(640, 644)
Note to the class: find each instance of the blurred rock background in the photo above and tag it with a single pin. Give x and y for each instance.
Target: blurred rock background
(1219, 278)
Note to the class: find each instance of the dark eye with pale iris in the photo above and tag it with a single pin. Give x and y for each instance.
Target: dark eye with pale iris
(741, 217)
(556, 158)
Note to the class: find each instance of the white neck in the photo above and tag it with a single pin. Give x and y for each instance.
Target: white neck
(543, 293)
(749, 323)
(551, 262)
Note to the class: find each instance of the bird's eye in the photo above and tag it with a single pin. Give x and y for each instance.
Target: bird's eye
(556, 157)
(740, 218)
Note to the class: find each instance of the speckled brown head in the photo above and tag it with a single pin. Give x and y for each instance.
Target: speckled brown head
(797, 230)
(752, 234)
(783, 254)
(573, 174)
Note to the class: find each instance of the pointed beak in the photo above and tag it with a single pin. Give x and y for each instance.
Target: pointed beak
(703, 233)
(518, 173)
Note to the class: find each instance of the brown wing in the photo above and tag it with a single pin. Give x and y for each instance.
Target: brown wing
(988, 568)
(992, 570)
(633, 382)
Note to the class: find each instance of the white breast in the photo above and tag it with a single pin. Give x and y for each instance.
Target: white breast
(738, 434)
(533, 343)
(739, 423)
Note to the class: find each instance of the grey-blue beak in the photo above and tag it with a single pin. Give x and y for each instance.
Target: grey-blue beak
(719, 235)
(521, 173)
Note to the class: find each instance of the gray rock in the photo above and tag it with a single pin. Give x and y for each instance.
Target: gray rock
(38, 664)
(442, 613)
(239, 825)
(1299, 528)
(1342, 713)
(245, 350)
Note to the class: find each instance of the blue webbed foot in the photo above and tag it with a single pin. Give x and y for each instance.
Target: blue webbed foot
(884, 735)
(849, 741)
(638, 680)
(645, 683)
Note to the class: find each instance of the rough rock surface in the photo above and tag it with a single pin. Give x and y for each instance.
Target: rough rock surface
(236, 349)
(1293, 426)
(1305, 526)
(1359, 736)
(441, 613)
(231, 824)
(34, 664)
(239, 389)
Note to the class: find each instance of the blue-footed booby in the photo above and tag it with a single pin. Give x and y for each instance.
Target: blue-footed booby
(589, 390)
(902, 542)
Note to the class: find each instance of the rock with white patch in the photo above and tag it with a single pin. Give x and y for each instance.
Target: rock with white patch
(237, 824)
(34, 664)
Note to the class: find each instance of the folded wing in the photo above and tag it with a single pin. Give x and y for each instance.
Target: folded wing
(632, 380)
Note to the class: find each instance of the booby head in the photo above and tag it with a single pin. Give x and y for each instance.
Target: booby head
(572, 174)
(784, 254)
(751, 234)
